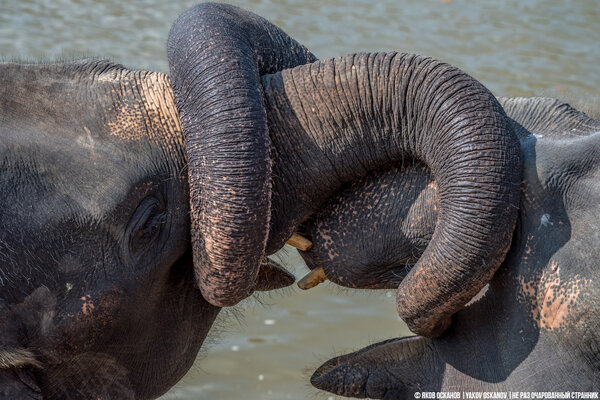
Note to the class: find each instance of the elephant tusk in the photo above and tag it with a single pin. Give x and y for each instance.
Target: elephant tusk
(299, 242)
(312, 279)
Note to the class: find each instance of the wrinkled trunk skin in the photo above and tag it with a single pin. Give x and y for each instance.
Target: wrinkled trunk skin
(217, 54)
(331, 122)
(371, 234)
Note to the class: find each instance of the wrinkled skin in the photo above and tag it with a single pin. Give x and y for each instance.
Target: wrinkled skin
(217, 54)
(98, 297)
(97, 249)
(536, 327)
(98, 292)
(259, 168)
(97, 281)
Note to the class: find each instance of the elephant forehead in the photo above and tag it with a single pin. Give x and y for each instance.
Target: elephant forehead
(81, 177)
(77, 133)
(149, 115)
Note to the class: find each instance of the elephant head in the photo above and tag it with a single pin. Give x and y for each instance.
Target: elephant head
(328, 124)
(98, 295)
(94, 262)
(541, 307)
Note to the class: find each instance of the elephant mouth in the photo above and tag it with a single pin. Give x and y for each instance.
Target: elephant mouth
(325, 257)
(393, 277)
(315, 276)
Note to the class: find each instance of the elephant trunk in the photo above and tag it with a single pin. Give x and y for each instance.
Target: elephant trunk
(217, 54)
(334, 120)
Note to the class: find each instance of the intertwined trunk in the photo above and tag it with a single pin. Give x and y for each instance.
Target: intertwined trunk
(330, 123)
(334, 120)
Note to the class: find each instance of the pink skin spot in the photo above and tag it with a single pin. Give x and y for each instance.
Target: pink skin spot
(88, 306)
(553, 300)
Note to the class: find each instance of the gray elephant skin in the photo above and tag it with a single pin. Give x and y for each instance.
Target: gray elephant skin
(122, 192)
(536, 327)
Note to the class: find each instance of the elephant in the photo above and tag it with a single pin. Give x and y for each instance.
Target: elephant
(535, 327)
(265, 153)
(98, 294)
(136, 205)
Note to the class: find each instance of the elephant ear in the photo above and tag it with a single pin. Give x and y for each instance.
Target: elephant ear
(217, 53)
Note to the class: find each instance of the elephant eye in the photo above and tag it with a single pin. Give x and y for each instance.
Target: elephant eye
(152, 226)
(148, 220)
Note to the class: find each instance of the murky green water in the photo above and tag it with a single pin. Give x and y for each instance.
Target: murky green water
(516, 48)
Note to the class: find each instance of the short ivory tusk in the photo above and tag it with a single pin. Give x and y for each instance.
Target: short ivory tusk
(312, 279)
(299, 242)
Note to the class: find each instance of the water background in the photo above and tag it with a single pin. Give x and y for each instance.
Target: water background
(268, 349)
